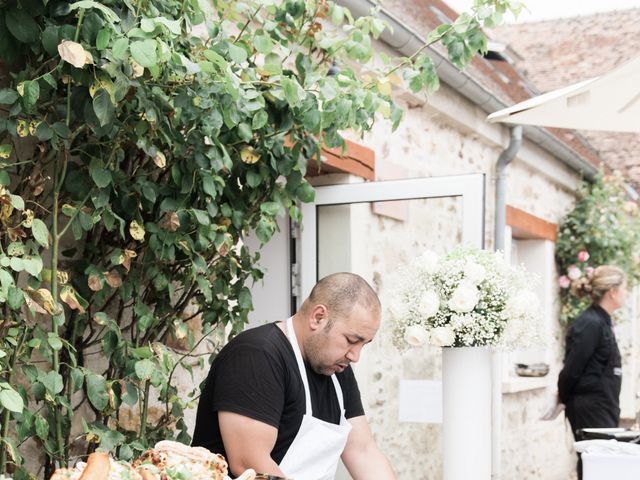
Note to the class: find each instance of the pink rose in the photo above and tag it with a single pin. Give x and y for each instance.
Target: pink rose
(583, 256)
(588, 271)
(564, 281)
(574, 272)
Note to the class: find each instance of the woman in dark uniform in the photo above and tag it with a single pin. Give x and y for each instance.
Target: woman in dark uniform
(589, 383)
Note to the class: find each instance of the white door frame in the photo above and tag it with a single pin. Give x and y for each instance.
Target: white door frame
(469, 187)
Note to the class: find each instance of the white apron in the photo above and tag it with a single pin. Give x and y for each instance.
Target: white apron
(316, 449)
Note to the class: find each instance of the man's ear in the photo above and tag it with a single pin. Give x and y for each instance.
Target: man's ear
(318, 318)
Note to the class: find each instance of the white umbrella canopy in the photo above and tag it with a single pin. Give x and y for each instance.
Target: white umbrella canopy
(610, 102)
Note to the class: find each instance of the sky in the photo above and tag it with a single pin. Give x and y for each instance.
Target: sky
(548, 9)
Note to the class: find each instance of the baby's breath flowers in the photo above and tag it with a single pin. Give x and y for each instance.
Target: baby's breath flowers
(470, 297)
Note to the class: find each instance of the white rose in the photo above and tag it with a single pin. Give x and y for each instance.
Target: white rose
(428, 261)
(429, 304)
(464, 298)
(442, 337)
(574, 272)
(474, 272)
(522, 302)
(416, 336)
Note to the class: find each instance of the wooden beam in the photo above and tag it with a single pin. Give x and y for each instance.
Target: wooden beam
(525, 225)
(357, 160)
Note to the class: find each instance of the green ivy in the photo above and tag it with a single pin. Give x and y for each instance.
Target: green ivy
(140, 142)
(602, 229)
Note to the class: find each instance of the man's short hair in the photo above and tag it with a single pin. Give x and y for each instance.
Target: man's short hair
(339, 292)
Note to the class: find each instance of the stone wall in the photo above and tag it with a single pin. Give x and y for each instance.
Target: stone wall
(430, 143)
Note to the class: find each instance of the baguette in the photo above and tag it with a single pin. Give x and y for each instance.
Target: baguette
(98, 467)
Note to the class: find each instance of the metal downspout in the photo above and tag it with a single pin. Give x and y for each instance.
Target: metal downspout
(508, 154)
(500, 222)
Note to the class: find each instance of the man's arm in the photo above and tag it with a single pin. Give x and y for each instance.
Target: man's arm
(248, 443)
(362, 457)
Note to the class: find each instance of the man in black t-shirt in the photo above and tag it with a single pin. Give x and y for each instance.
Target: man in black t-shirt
(282, 398)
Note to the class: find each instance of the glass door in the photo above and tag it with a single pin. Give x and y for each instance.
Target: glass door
(373, 229)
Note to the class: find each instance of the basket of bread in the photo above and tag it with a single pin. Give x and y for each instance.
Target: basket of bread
(168, 460)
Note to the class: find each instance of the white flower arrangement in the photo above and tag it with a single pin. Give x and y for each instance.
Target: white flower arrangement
(470, 297)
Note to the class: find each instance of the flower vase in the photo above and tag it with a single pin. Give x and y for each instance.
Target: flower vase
(466, 404)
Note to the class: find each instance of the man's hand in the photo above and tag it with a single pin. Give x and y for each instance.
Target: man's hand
(248, 444)
(362, 457)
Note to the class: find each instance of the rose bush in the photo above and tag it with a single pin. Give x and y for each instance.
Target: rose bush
(602, 228)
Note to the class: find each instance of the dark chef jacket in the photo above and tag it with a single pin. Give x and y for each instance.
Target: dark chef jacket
(589, 383)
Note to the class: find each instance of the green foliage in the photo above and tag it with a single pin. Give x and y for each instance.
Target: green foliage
(139, 143)
(602, 229)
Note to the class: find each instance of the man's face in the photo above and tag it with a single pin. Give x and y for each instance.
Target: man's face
(334, 345)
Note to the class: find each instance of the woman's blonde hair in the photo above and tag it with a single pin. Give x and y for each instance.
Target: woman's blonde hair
(603, 279)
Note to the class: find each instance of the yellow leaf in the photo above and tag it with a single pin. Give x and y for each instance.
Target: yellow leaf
(22, 128)
(384, 87)
(93, 89)
(28, 218)
(136, 230)
(160, 160)
(138, 70)
(68, 296)
(249, 155)
(94, 283)
(113, 278)
(170, 221)
(42, 298)
(128, 255)
(63, 277)
(73, 53)
(395, 79)
(385, 109)
(5, 152)
(33, 126)
(20, 89)
(180, 329)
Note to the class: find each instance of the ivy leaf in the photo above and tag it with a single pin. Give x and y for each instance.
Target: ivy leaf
(22, 26)
(111, 439)
(103, 107)
(119, 49)
(97, 391)
(30, 91)
(253, 179)
(144, 52)
(8, 96)
(101, 177)
(32, 265)
(102, 40)
(54, 341)
(144, 369)
(88, 4)
(263, 44)
(305, 192)
(42, 427)
(40, 232)
(237, 54)
(259, 120)
(11, 400)
(52, 381)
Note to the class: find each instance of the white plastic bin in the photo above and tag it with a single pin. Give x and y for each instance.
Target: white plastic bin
(610, 466)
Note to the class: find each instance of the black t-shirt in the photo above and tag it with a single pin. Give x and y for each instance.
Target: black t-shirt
(256, 375)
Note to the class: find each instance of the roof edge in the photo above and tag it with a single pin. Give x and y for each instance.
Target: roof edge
(406, 42)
